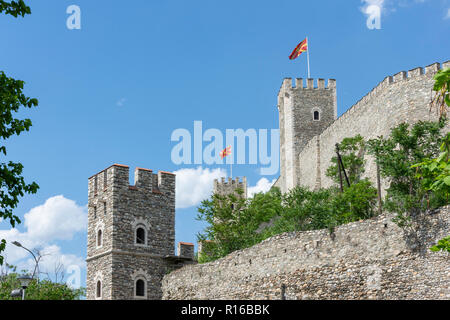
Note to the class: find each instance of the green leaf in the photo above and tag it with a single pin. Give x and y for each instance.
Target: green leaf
(447, 180)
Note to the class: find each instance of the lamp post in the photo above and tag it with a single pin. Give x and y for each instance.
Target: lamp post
(24, 283)
(18, 244)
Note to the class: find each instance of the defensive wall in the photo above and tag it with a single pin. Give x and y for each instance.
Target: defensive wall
(404, 97)
(370, 259)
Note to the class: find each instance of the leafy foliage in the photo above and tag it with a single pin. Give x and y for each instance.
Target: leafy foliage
(442, 87)
(264, 215)
(434, 173)
(38, 290)
(352, 155)
(12, 183)
(443, 245)
(14, 8)
(395, 155)
(233, 221)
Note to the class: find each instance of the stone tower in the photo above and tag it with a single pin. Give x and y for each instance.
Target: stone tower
(304, 112)
(131, 234)
(228, 187)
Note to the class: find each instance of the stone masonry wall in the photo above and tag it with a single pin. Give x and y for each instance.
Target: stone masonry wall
(296, 106)
(230, 186)
(404, 97)
(118, 209)
(371, 259)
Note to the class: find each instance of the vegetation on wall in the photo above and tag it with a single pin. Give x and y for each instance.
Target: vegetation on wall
(396, 154)
(352, 154)
(441, 99)
(235, 223)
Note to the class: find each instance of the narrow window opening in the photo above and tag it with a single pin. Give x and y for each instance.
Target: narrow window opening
(316, 116)
(140, 236)
(99, 238)
(99, 289)
(140, 288)
(105, 179)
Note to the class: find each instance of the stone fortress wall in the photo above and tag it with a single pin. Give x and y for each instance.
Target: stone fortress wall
(404, 97)
(370, 259)
(366, 259)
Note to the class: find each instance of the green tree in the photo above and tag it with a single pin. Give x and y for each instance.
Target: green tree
(233, 221)
(404, 147)
(38, 290)
(14, 8)
(12, 183)
(352, 154)
(434, 173)
(441, 87)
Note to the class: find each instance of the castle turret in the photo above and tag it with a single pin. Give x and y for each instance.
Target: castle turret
(225, 187)
(131, 233)
(304, 112)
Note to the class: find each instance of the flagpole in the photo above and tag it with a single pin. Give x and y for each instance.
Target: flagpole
(307, 51)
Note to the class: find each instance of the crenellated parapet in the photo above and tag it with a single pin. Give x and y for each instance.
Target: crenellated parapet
(311, 84)
(131, 227)
(229, 186)
(117, 176)
(394, 82)
(398, 98)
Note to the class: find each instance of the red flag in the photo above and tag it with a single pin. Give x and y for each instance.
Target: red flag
(225, 152)
(302, 47)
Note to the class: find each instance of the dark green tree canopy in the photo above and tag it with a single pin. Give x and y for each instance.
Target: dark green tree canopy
(14, 8)
(12, 98)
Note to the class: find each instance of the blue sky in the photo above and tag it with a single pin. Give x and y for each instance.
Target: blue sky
(115, 90)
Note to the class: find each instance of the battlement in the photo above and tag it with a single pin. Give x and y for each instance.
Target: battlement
(131, 229)
(185, 249)
(230, 181)
(117, 175)
(228, 186)
(397, 79)
(311, 84)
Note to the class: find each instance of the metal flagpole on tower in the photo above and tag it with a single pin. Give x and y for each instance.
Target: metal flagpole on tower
(307, 51)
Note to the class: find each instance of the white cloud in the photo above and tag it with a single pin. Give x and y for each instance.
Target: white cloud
(195, 185)
(263, 185)
(58, 218)
(387, 6)
(447, 16)
(53, 257)
(369, 3)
